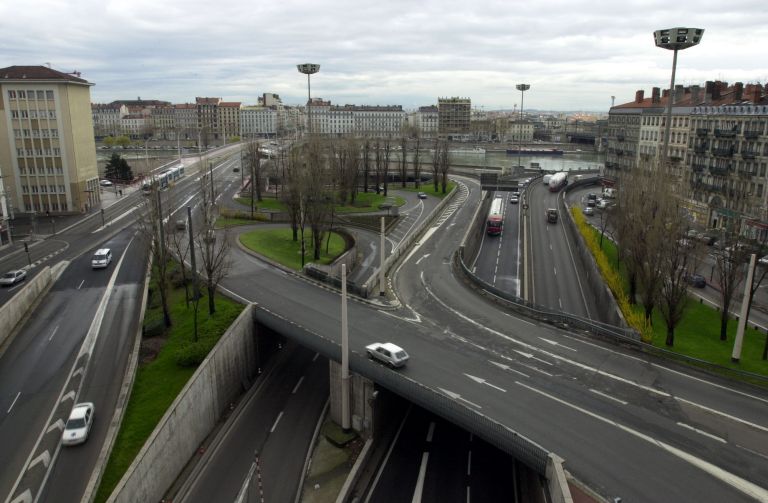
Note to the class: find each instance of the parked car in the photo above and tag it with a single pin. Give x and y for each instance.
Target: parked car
(588, 210)
(101, 258)
(387, 353)
(181, 225)
(12, 277)
(422, 195)
(514, 199)
(78, 425)
(602, 204)
(696, 280)
(764, 260)
(236, 170)
(105, 183)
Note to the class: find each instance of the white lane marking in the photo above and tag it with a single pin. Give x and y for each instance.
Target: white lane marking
(417, 319)
(530, 356)
(480, 380)
(114, 220)
(456, 396)
(271, 430)
(420, 481)
(80, 285)
(751, 451)
(702, 432)
(555, 343)
(55, 329)
(609, 397)
(469, 462)
(467, 494)
(315, 357)
(508, 368)
(430, 431)
(422, 258)
(723, 414)
(295, 388)
(386, 458)
(735, 481)
(13, 403)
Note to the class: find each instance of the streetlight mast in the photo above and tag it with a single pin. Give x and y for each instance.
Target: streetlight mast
(522, 88)
(674, 39)
(308, 69)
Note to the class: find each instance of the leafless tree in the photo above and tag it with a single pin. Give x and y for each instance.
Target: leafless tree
(214, 250)
(366, 163)
(318, 198)
(403, 160)
(436, 156)
(445, 166)
(417, 162)
(379, 164)
(678, 260)
(387, 154)
(730, 257)
(152, 231)
(253, 164)
(293, 189)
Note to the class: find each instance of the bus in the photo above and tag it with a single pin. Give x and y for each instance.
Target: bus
(495, 217)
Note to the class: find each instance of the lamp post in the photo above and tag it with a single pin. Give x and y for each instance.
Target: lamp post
(674, 39)
(308, 69)
(522, 88)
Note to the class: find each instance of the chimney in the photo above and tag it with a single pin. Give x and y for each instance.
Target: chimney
(709, 91)
(738, 91)
(679, 92)
(655, 95)
(695, 95)
(753, 93)
(639, 96)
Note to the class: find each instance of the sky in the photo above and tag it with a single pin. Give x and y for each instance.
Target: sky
(574, 54)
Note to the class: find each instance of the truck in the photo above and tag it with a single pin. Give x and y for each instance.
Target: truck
(546, 179)
(558, 181)
(551, 215)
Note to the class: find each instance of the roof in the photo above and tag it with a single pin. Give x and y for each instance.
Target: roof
(39, 73)
(207, 101)
(233, 104)
(713, 93)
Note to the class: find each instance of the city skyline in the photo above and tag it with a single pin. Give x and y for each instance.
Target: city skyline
(574, 55)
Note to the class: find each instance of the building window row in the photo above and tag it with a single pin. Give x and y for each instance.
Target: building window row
(38, 152)
(23, 94)
(33, 114)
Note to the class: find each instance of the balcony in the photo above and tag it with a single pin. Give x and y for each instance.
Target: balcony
(702, 131)
(723, 151)
(619, 153)
(726, 133)
(751, 134)
(747, 173)
(700, 149)
(748, 154)
(620, 137)
(697, 168)
(719, 171)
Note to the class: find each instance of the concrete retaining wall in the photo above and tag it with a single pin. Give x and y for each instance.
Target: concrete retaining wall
(557, 483)
(360, 399)
(219, 380)
(15, 309)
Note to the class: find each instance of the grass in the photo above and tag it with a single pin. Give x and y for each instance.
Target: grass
(429, 189)
(267, 203)
(364, 202)
(159, 381)
(278, 245)
(698, 334)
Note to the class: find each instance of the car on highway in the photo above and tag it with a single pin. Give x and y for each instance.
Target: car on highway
(696, 280)
(387, 353)
(422, 195)
(105, 183)
(101, 258)
(12, 277)
(514, 199)
(236, 170)
(589, 210)
(602, 204)
(78, 425)
(764, 260)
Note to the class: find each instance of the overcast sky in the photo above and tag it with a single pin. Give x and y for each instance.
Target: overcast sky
(574, 54)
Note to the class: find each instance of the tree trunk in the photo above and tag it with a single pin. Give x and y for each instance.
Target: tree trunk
(670, 336)
(724, 326)
(211, 300)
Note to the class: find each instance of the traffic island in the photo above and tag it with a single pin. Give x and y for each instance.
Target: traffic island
(333, 456)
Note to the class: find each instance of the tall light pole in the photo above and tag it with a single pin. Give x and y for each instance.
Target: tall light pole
(308, 69)
(674, 39)
(522, 88)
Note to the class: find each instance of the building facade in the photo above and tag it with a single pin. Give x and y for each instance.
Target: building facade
(258, 121)
(229, 118)
(47, 148)
(454, 118)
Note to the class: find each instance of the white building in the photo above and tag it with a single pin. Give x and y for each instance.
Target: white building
(258, 121)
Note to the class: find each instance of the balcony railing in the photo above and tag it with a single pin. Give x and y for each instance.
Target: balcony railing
(700, 149)
(751, 134)
(619, 153)
(747, 173)
(725, 133)
(723, 151)
(697, 168)
(719, 171)
(702, 131)
(620, 137)
(749, 154)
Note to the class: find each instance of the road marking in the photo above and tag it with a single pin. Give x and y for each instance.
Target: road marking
(734, 481)
(456, 396)
(271, 430)
(430, 431)
(751, 451)
(702, 432)
(420, 481)
(295, 388)
(44, 458)
(469, 463)
(58, 425)
(422, 258)
(609, 397)
(555, 343)
(80, 285)
(14, 402)
(723, 414)
(529, 355)
(508, 368)
(386, 457)
(480, 380)
(55, 329)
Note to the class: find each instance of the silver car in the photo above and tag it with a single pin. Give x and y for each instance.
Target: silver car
(387, 353)
(12, 277)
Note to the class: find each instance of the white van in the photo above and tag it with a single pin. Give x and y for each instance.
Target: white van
(101, 258)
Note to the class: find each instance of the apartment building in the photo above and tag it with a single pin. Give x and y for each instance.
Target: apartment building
(208, 117)
(426, 119)
(454, 118)
(47, 151)
(106, 118)
(258, 121)
(185, 116)
(718, 150)
(229, 118)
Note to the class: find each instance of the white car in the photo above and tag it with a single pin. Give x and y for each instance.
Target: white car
(105, 183)
(12, 277)
(101, 258)
(78, 425)
(387, 353)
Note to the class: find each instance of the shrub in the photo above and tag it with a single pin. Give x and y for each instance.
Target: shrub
(193, 353)
(154, 327)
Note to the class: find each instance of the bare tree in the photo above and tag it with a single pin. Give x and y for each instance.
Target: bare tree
(378, 165)
(417, 162)
(151, 229)
(253, 162)
(678, 260)
(445, 166)
(292, 191)
(214, 250)
(436, 162)
(729, 270)
(387, 153)
(366, 163)
(403, 160)
(318, 199)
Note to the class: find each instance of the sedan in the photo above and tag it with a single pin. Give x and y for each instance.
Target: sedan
(12, 277)
(105, 183)
(514, 199)
(422, 195)
(696, 280)
(588, 210)
(78, 425)
(387, 353)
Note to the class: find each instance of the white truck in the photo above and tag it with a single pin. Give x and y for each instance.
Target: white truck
(609, 193)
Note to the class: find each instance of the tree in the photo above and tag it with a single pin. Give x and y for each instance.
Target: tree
(387, 152)
(118, 168)
(366, 163)
(729, 271)
(445, 166)
(678, 260)
(253, 162)
(417, 162)
(122, 141)
(151, 229)
(436, 162)
(214, 250)
(403, 160)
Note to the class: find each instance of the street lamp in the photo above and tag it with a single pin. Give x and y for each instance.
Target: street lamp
(674, 39)
(308, 69)
(522, 88)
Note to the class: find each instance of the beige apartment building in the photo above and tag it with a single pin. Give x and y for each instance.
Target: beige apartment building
(47, 149)
(454, 118)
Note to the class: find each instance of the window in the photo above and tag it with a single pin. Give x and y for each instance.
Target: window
(49, 95)
(24, 114)
(51, 114)
(14, 114)
(25, 189)
(61, 189)
(33, 114)
(23, 94)
(11, 95)
(43, 189)
(41, 95)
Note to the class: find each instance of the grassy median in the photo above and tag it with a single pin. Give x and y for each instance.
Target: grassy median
(278, 245)
(160, 377)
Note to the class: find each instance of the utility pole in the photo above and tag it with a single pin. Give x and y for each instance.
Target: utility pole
(344, 352)
(736, 354)
(381, 261)
(193, 265)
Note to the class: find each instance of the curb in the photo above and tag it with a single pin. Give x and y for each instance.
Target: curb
(311, 450)
(355, 472)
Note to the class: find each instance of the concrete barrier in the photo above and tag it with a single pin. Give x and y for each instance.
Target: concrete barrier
(218, 381)
(557, 483)
(17, 308)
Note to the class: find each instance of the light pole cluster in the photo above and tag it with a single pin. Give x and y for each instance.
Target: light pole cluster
(308, 69)
(674, 39)
(522, 88)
